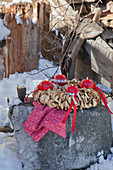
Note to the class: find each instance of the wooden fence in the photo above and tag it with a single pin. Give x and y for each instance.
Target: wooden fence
(26, 22)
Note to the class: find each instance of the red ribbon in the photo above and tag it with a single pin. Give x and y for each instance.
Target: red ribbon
(102, 95)
(74, 114)
(32, 92)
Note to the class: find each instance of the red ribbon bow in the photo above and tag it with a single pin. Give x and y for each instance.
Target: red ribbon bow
(102, 95)
(89, 83)
(44, 85)
(73, 91)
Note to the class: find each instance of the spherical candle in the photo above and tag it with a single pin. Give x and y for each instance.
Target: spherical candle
(72, 89)
(86, 83)
(60, 79)
(45, 85)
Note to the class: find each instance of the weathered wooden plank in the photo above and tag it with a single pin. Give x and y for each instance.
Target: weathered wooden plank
(23, 49)
(88, 29)
(79, 1)
(107, 17)
(110, 6)
(47, 10)
(1, 67)
(63, 15)
(83, 67)
(101, 58)
(41, 16)
(6, 1)
(78, 42)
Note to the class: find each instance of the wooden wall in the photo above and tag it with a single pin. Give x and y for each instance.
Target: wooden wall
(21, 52)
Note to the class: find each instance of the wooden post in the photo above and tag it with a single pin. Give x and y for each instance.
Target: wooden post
(21, 90)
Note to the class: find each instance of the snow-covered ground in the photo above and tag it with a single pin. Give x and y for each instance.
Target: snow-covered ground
(8, 90)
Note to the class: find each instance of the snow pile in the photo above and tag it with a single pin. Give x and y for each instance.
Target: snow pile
(103, 164)
(4, 32)
(9, 159)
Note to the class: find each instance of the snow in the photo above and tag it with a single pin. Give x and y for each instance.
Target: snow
(34, 19)
(9, 159)
(18, 18)
(4, 32)
(56, 31)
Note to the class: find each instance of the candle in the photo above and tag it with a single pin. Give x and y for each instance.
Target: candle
(45, 85)
(60, 79)
(72, 89)
(86, 83)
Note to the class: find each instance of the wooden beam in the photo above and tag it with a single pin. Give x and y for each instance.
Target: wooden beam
(101, 58)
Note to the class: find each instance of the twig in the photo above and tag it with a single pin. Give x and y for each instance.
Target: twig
(54, 72)
(45, 74)
(42, 70)
(48, 50)
(60, 5)
(88, 15)
(81, 8)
